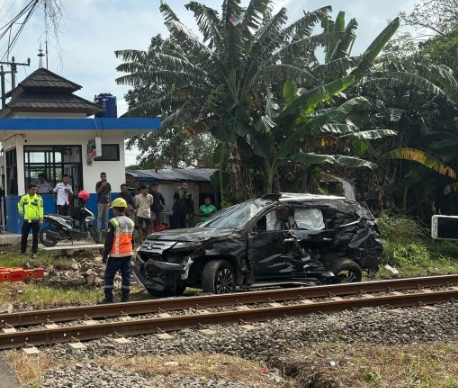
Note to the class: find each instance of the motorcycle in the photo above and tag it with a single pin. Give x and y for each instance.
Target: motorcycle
(79, 226)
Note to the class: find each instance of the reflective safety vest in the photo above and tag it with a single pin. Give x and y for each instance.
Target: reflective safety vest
(31, 207)
(123, 232)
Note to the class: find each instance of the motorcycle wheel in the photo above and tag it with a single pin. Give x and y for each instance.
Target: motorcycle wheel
(94, 233)
(45, 239)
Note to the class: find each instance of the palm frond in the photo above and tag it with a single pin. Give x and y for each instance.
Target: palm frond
(304, 45)
(343, 48)
(167, 12)
(342, 160)
(372, 134)
(254, 13)
(420, 157)
(304, 26)
(208, 22)
(375, 47)
(335, 67)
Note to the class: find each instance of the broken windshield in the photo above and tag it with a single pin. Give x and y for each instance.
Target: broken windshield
(234, 217)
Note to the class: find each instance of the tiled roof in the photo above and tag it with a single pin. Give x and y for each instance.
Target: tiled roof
(52, 101)
(176, 174)
(44, 79)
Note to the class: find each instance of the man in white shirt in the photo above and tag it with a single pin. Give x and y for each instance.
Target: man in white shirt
(143, 202)
(61, 194)
(43, 187)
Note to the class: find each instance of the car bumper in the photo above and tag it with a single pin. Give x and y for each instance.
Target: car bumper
(162, 274)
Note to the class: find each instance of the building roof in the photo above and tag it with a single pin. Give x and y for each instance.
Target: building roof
(45, 91)
(45, 102)
(176, 174)
(44, 79)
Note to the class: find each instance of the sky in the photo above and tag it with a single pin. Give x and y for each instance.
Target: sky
(90, 31)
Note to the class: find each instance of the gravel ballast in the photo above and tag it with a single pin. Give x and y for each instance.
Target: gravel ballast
(266, 342)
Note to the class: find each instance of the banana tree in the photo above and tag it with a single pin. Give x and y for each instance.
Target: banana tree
(274, 144)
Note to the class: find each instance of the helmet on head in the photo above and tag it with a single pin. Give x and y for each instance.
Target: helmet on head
(119, 202)
(84, 195)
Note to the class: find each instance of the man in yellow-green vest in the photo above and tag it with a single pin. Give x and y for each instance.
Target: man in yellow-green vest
(30, 208)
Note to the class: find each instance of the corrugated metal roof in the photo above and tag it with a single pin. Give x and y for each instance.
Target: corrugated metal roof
(176, 174)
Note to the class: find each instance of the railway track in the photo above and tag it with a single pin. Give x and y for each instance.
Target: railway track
(46, 327)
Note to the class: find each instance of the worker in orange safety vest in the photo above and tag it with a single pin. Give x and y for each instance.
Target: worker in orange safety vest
(118, 251)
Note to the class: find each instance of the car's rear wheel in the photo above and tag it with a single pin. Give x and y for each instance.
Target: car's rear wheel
(346, 271)
(218, 277)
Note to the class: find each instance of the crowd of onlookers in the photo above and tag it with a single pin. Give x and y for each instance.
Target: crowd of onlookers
(145, 207)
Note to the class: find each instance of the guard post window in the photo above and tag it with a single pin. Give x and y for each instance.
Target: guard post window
(110, 153)
(54, 162)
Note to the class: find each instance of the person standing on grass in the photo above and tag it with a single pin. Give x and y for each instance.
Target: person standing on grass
(143, 203)
(30, 208)
(103, 190)
(158, 206)
(118, 251)
(62, 193)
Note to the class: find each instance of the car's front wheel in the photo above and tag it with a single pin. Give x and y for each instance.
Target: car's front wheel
(346, 271)
(218, 277)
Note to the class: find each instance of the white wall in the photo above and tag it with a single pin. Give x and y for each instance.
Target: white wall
(91, 173)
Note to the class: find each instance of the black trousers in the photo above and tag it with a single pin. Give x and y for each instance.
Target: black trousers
(26, 226)
(178, 220)
(113, 265)
(63, 210)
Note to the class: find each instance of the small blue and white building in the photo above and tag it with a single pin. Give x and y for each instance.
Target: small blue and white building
(45, 128)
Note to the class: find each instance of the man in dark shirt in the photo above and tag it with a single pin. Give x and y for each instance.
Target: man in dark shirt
(103, 190)
(158, 207)
(183, 207)
(124, 194)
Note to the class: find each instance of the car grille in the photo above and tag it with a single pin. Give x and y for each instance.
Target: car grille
(156, 247)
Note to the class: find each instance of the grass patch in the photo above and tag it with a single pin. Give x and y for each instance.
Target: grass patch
(362, 366)
(29, 369)
(199, 365)
(408, 247)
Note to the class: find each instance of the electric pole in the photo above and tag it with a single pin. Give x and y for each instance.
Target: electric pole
(13, 66)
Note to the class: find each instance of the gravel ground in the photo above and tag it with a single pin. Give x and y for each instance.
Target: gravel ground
(267, 342)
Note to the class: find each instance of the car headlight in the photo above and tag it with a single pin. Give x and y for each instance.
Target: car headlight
(187, 245)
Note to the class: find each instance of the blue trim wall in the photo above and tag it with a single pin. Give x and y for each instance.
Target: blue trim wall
(34, 124)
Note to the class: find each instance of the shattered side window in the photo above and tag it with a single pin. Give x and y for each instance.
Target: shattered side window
(234, 217)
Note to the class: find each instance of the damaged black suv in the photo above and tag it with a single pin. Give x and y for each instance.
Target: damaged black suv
(280, 239)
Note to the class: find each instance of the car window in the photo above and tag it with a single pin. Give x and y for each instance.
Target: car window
(341, 219)
(234, 217)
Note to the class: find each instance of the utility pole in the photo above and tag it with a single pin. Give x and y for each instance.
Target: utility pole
(13, 65)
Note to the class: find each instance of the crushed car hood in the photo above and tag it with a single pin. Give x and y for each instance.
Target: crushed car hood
(191, 234)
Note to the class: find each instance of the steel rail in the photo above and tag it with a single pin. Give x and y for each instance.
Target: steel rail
(208, 301)
(174, 323)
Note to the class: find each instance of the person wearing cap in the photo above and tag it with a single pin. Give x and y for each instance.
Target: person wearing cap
(118, 251)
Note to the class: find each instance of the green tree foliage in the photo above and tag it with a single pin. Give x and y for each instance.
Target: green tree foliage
(222, 83)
